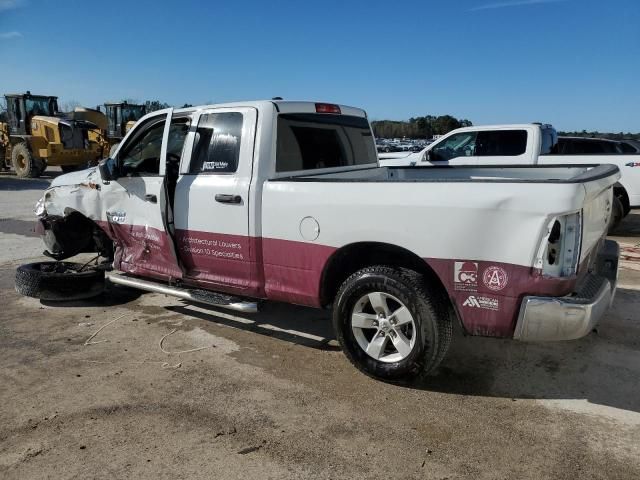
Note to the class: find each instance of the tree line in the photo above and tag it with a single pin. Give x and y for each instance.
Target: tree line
(418, 127)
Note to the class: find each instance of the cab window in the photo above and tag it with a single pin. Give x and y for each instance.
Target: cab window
(457, 145)
(501, 143)
(141, 155)
(216, 147)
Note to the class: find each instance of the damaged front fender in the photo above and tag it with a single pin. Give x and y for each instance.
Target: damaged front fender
(69, 216)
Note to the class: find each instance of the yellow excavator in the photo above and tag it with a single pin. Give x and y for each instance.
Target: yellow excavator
(120, 118)
(36, 136)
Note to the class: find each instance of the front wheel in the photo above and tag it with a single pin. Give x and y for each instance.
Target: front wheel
(25, 165)
(389, 326)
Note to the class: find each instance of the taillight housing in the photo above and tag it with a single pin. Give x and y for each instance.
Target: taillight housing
(559, 252)
(327, 108)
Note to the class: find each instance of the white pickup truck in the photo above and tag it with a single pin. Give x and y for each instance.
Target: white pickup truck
(235, 203)
(521, 144)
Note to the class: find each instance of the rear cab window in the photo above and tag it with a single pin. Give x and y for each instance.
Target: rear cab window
(501, 143)
(316, 141)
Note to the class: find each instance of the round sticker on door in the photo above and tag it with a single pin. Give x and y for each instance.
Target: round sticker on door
(495, 278)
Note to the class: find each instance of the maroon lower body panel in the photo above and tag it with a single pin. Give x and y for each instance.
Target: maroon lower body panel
(143, 250)
(486, 295)
(293, 270)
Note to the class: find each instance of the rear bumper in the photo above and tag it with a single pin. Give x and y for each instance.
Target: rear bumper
(575, 315)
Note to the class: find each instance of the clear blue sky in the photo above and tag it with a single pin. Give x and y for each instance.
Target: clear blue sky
(573, 63)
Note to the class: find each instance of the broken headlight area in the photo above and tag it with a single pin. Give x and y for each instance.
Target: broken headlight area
(66, 236)
(40, 209)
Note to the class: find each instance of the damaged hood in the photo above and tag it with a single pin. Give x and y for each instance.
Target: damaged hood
(76, 178)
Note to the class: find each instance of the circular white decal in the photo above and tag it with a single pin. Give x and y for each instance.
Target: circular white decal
(495, 278)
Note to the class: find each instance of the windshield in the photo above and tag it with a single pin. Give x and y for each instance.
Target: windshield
(132, 113)
(313, 141)
(38, 106)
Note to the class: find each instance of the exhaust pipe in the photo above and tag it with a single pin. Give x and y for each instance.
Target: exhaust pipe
(199, 296)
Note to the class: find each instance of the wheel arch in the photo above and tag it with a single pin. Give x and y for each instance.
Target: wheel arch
(621, 192)
(355, 256)
(73, 233)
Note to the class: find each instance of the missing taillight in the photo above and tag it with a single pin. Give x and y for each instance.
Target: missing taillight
(554, 236)
(559, 254)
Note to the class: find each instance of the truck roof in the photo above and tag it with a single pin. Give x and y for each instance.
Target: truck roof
(506, 126)
(283, 106)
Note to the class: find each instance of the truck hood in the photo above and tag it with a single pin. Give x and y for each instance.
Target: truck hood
(90, 175)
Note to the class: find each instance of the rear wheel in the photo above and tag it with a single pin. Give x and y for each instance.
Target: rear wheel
(59, 281)
(69, 168)
(23, 162)
(389, 325)
(617, 214)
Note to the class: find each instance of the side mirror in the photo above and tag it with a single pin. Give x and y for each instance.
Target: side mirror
(108, 170)
(427, 156)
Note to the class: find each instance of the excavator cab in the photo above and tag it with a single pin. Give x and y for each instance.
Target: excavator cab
(119, 115)
(21, 108)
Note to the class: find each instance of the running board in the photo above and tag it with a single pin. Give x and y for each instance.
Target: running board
(201, 296)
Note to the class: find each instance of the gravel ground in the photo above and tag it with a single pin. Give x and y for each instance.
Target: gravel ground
(271, 396)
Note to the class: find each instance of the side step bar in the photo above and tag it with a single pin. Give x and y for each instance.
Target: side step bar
(201, 296)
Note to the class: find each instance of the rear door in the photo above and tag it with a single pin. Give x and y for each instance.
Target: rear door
(503, 147)
(137, 204)
(212, 202)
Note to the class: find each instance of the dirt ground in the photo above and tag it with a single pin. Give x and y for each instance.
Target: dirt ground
(270, 395)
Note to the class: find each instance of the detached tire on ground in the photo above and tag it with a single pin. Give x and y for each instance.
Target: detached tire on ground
(23, 162)
(389, 325)
(59, 281)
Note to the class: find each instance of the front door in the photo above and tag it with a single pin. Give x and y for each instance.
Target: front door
(137, 203)
(457, 149)
(212, 202)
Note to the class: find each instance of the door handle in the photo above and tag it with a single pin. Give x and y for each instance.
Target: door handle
(228, 198)
(151, 198)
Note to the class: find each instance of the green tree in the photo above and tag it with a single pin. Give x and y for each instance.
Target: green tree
(153, 105)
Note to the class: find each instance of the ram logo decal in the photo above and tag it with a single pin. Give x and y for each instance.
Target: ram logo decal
(116, 217)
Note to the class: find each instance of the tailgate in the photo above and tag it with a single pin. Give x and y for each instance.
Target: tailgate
(596, 211)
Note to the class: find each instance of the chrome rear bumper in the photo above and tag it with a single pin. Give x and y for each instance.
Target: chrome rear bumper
(575, 315)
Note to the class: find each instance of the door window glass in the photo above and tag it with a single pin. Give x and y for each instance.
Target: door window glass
(457, 145)
(501, 143)
(216, 147)
(142, 154)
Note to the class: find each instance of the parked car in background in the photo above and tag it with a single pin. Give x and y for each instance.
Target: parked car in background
(234, 203)
(587, 146)
(630, 146)
(529, 144)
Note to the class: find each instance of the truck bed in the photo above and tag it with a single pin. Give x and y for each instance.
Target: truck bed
(487, 173)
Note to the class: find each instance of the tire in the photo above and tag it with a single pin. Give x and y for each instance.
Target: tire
(3, 152)
(617, 214)
(426, 330)
(69, 168)
(42, 166)
(23, 162)
(58, 281)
